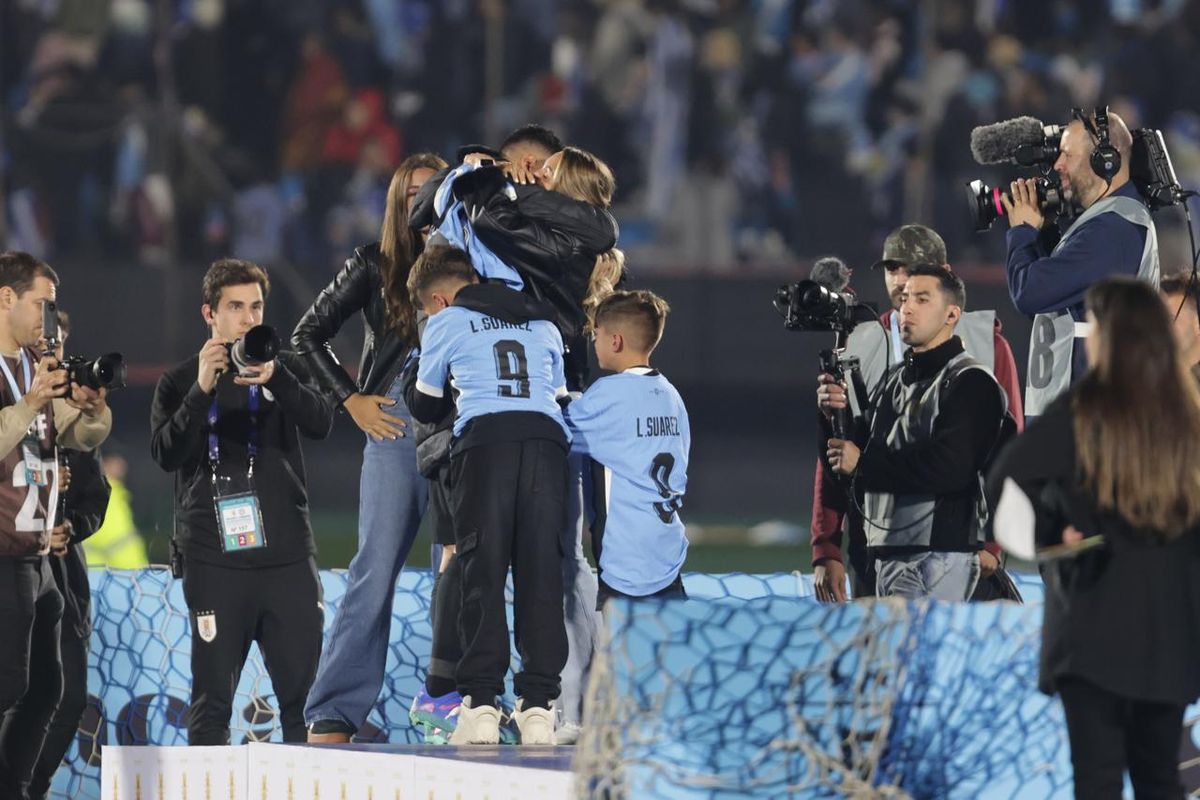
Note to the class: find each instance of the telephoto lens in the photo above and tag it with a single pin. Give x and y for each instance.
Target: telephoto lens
(105, 372)
(258, 346)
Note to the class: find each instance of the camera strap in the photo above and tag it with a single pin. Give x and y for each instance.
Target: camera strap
(214, 446)
(37, 469)
(12, 380)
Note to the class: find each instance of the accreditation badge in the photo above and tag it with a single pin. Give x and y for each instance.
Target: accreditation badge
(37, 469)
(239, 518)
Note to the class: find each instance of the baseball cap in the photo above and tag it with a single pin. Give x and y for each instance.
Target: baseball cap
(912, 244)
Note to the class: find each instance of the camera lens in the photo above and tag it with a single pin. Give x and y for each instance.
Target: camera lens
(258, 346)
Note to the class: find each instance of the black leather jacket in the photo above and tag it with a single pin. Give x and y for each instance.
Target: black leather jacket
(358, 287)
(551, 239)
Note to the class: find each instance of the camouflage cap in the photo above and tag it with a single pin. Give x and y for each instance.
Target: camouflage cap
(912, 244)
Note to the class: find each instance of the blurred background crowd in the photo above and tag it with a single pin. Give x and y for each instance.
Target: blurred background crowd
(147, 137)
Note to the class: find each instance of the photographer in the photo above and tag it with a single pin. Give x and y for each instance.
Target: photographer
(1115, 235)
(932, 425)
(241, 507)
(878, 348)
(35, 418)
(84, 493)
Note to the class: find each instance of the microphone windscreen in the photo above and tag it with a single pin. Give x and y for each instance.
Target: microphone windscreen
(831, 272)
(998, 143)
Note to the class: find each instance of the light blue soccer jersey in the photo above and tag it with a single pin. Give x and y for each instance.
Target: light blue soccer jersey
(455, 226)
(635, 426)
(494, 365)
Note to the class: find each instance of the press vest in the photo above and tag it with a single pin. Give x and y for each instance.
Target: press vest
(906, 520)
(1052, 341)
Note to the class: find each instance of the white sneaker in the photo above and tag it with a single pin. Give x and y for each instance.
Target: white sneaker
(568, 733)
(536, 725)
(476, 725)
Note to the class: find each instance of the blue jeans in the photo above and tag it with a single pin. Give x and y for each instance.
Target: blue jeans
(579, 601)
(949, 577)
(391, 502)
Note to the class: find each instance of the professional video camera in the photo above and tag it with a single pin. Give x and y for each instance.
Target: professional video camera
(1020, 142)
(1026, 142)
(105, 372)
(257, 347)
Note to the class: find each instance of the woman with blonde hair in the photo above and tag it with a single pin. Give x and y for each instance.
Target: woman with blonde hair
(392, 494)
(1111, 473)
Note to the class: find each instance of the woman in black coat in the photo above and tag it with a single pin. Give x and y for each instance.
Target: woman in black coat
(1116, 458)
(392, 494)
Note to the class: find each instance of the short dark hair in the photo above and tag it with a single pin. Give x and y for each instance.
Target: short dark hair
(18, 271)
(951, 285)
(645, 314)
(436, 264)
(64, 323)
(533, 134)
(232, 272)
(1182, 284)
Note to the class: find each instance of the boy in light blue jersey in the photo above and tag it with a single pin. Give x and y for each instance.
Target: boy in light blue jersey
(635, 428)
(502, 353)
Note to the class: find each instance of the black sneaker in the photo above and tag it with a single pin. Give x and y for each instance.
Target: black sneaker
(329, 726)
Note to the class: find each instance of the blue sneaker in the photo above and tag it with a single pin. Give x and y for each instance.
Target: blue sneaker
(437, 717)
(435, 713)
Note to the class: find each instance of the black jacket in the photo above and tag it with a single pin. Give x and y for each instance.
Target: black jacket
(86, 502)
(967, 431)
(1125, 617)
(499, 301)
(179, 443)
(552, 240)
(357, 287)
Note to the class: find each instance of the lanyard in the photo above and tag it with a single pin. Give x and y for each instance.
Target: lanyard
(12, 381)
(214, 448)
(897, 342)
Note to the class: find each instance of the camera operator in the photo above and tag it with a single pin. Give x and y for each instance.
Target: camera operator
(241, 507)
(933, 423)
(878, 348)
(1115, 235)
(35, 418)
(85, 491)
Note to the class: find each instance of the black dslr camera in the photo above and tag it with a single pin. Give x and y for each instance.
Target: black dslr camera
(257, 347)
(810, 306)
(105, 372)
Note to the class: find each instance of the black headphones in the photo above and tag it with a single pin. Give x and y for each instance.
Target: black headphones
(1106, 159)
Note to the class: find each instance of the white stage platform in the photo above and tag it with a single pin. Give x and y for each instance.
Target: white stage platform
(336, 772)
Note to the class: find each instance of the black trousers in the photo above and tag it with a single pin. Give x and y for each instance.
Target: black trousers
(509, 509)
(1110, 734)
(446, 647)
(278, 607)
(673, 590)
(30, 670)
(65, 724)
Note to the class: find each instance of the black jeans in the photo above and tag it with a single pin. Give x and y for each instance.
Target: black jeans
(509, 509)
(65, 724)
(30, 670)
(1110, 733)
(278, 607)
(673, 590)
